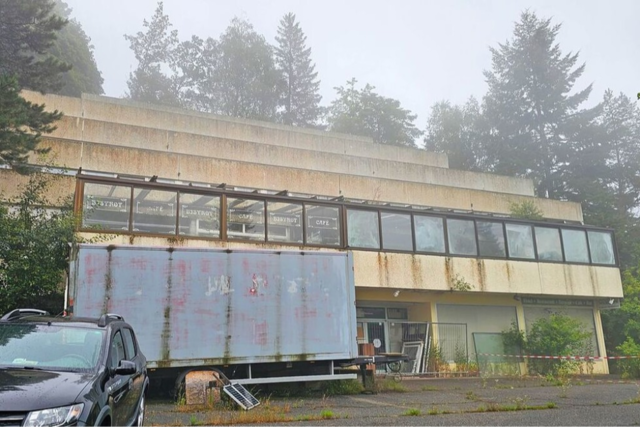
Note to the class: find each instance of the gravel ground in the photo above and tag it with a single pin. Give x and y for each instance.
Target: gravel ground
(458, 401)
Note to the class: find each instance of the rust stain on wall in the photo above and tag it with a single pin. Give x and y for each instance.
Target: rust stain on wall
(108, 283)
(482, 274)
(416, 272)
(448, 271)
(166, 326)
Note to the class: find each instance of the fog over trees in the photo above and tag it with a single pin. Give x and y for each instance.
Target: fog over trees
(537, 118)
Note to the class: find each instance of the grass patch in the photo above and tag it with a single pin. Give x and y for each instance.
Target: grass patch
(389, 385)
(342, 387)
(433, 411)
(327, 415)
(493, 407)
(429, 388)
(413, 412)
(471, 395)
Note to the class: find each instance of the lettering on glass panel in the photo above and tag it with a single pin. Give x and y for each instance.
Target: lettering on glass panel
(323, 222)
(199, 212)
(155, 208)
(112, 204)
(292, 220)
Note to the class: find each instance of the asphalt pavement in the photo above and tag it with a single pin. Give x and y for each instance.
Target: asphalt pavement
(596, 401)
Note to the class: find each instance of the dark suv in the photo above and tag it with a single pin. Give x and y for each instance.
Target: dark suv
(58, 371)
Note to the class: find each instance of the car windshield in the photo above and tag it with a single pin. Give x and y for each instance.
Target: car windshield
(49, 347)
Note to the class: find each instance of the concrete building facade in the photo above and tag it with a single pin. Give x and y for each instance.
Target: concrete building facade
(431, 245)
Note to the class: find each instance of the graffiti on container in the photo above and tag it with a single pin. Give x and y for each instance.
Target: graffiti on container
(220, 284)
(258, 281)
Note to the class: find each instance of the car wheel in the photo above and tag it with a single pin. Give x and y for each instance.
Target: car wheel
(140, 420)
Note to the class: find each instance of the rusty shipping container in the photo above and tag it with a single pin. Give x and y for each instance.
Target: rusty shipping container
(208, 307)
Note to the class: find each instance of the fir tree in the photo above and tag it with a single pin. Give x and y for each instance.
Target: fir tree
(532, 108)
(27, 31)
(300, 100)
(21, 124)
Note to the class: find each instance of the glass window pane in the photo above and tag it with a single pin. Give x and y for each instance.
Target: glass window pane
(199, 215)
(548, 243)
(370, 312)
(491, 239)
(245, 219)
(129, 345)
(396, 231)
(462, 237)
(575, 245)
(601, 246)
(285, 222)
(362, 229)
(323, 225)
(154, 211)
(520, 241)
(429, 233)
(106, 207)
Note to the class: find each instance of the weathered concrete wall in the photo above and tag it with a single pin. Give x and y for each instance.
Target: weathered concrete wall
(124, 160)
(130, 136)
(59, 187)
(437, 273)
(113, 110)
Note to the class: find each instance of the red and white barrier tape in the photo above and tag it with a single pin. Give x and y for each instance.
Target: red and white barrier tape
(531, 356)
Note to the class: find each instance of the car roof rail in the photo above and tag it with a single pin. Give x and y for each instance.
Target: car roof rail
(24, 312)
(109, 317)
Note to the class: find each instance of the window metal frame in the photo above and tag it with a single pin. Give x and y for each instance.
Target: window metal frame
(343, 206)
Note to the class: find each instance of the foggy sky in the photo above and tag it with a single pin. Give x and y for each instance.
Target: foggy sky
(418, 52)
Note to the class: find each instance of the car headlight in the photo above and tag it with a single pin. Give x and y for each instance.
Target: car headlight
(54, 417)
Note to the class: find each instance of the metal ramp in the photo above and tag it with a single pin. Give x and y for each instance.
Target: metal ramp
(241, 396)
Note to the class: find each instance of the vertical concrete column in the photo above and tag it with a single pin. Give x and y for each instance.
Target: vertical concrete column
(523, 328)
(604, 363)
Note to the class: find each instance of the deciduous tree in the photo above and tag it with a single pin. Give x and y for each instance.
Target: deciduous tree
(239, 77)
(364, 112)
(154, 50)
(456, 131)
(34, 249)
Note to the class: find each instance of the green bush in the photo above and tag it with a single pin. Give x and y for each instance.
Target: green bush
(558, 335)
(630, 368)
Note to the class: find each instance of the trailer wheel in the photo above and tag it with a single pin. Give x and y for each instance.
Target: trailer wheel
(394, 366)
(179, 393)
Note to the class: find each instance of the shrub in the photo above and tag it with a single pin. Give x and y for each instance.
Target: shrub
(630, 368)
(558, 335)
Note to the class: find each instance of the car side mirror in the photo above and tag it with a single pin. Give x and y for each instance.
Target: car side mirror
(126, 367)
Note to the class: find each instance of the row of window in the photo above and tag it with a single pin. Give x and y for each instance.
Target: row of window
(143, 210)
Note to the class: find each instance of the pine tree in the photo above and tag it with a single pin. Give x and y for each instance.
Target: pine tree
(73, 46)
(532, 107)
(21, 124)
(28, 30)
(300, 99)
